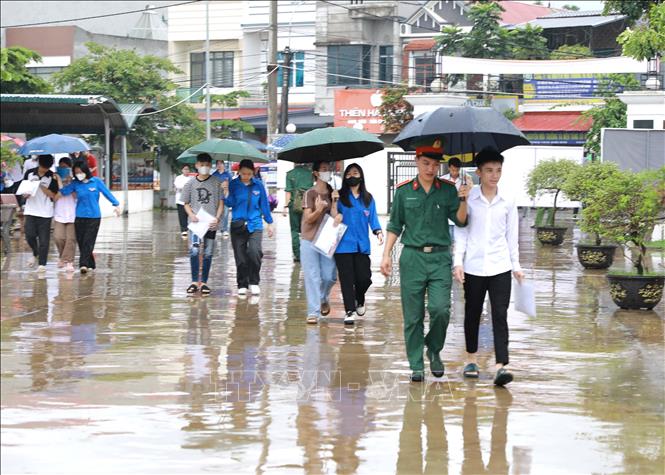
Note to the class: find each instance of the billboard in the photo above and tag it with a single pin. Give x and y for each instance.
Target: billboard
(140, 171)
(359, 107)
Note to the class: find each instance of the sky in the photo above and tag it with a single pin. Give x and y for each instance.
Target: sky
(584, 5)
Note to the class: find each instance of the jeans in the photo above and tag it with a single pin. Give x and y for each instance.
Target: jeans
(224, 227)
(475, 288)
(86, 237)
(194, 248)
(355, 277)
(451, 231)
(182, 218)
(248, 255)
(320, 275)
(38, 235)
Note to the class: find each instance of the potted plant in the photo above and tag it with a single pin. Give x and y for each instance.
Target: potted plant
(549, 176)
(581, 186)
(627, 208)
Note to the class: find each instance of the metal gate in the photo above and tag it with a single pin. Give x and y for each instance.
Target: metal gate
(402, 167)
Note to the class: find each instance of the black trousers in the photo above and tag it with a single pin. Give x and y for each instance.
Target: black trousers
(38, 235)
(475, 288)
(248, 255)
(182, 218)
(86, 236)
(355, 277)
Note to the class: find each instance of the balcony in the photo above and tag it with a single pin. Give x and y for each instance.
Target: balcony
(371, 9)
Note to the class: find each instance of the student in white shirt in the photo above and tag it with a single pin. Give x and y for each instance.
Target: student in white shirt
(486, 252)
(179, 183)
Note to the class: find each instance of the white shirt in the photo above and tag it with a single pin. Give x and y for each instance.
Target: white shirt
(39, 204)
(488, 244)
(179, 184)
(458, 183)
(64, 210)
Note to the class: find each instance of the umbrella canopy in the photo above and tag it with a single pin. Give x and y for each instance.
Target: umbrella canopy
(330, 144)
(53, 143)
(224, 149)
(187, 158)
(462, 130)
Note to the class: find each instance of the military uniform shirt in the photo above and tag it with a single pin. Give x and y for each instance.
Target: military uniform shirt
(423, 217)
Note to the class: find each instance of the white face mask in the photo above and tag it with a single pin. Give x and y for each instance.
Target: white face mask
(204, 170)
(80, 176)
(325, 176)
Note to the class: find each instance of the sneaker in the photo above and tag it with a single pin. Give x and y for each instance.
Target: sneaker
(242, 291)
(254, 289)
(32, 261)
(360, 310)
(69, 267)
(417, 376)
(41, 269)
(349, 318)
(225, 234)
(325, 308)
(312, 319)
(84, 270)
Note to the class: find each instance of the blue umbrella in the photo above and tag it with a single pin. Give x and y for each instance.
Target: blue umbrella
(53, 143)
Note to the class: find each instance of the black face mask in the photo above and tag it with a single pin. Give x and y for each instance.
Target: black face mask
(353, 181)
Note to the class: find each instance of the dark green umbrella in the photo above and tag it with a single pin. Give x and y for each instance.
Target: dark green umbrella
(329, 145)
(224, 149)
(186, 157)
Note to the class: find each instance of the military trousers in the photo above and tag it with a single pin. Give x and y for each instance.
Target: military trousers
(295, 220)
(424, 274)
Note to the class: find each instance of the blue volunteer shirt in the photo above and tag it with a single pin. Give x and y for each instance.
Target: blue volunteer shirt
(87, 197)
(258, 206)
(226, 176)
(358, 218)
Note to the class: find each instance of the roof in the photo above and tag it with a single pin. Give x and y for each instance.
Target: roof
(570, 21)
(65, 113)
(245, 113)
(518, 12)
(551, 121)
(420, 45)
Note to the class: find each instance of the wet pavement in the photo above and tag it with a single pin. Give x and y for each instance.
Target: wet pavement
(120, 372)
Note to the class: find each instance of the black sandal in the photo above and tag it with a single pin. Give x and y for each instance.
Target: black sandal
(192, 289)
(205, 290)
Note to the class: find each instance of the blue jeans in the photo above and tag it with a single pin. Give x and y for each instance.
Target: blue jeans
(194, 247)
(451, 230)
(224, 228)
(320, 275)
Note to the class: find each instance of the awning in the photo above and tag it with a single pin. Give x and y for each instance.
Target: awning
(553, 122)
(420, 45)
(65, 114)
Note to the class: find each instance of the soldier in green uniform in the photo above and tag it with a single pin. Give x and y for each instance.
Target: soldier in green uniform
(420, 214)
(298, 181)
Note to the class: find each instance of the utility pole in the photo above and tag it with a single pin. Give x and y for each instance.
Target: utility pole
(207, 70)
(272, 75)
(286, 83)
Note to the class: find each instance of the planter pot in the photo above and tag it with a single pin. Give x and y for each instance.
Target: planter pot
(551, 235)
(595, 257)
(634, 292)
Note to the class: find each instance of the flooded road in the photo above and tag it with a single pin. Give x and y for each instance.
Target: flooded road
(120, 372)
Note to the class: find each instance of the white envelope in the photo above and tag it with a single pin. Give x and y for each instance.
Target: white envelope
(328, 236)
(525, 298)
(203, 225)
(28, 187)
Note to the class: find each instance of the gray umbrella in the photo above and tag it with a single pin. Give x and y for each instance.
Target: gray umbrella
(462, 130)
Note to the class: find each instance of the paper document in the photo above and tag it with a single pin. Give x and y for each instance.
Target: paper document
(28, 187)
(328, 236)
(525, 298)
(203, 225)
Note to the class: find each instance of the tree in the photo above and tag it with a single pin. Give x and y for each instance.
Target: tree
(634, 9)
(647, 39)
(611, 114)
(550, 176)
(225, 128)
(16, 79)
(8, 156)
(122, 75)
(528, 43)
(395, 110)
(627, 208)
(572, 8)
(571, 52)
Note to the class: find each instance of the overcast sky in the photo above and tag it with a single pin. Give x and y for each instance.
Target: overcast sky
(584, 5)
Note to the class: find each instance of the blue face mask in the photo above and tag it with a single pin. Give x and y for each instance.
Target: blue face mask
(64, 172)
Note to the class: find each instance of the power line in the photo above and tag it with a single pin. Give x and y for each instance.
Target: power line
(98, 16)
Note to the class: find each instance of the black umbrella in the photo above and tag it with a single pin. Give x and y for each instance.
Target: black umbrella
(462, 130)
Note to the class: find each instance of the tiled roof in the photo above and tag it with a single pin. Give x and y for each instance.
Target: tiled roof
(552, 122)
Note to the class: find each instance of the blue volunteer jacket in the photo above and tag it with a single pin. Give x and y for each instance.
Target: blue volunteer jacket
(259, 208)
(87, 197)
(358, 218)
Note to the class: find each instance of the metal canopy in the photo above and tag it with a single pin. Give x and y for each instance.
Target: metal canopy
(65, 114)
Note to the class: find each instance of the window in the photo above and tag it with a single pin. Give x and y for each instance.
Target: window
(297, 75)
(221, 71)
(386, 63)
(45, 72)
(425, 68)
(643, 124)
(349, 65)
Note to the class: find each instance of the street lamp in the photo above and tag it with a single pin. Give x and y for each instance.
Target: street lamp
(653, 81)
(290, 128)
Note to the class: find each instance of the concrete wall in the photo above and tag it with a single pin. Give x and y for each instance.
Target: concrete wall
(139, 200)
(141, 46)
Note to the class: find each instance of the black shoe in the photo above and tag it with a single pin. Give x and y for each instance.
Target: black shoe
(503, 377)
(204, 289)
(417, 376)
(192, 289)
(296, 260)
(435, 364)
